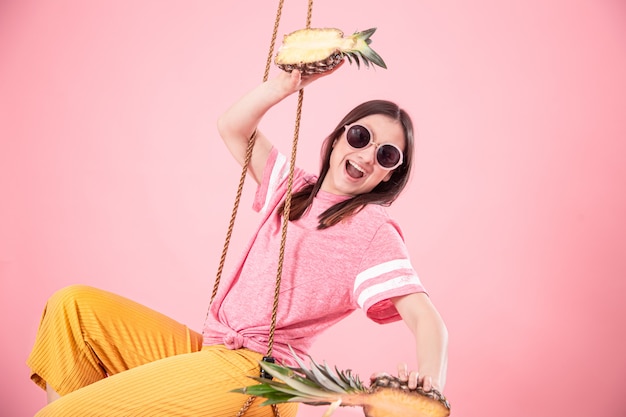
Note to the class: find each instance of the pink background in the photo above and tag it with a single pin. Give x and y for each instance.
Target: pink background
(112, 174)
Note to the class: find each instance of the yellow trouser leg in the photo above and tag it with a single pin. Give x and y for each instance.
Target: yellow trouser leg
(111, 357)
(86, 334)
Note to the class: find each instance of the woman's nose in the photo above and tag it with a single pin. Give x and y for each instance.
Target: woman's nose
(369, 152)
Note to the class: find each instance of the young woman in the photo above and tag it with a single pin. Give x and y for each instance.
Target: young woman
(105, 355)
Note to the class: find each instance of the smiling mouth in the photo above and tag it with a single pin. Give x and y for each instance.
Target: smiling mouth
(354, 170)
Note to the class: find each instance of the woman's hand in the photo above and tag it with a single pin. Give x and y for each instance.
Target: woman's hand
(290, 82)
(413, 378)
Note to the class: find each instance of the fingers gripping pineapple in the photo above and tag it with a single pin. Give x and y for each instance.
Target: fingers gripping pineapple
(318, 50)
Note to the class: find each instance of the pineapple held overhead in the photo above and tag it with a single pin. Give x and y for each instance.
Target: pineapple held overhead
(319, 50)
(386, 396)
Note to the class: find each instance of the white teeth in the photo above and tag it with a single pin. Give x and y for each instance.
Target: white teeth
(358, 168)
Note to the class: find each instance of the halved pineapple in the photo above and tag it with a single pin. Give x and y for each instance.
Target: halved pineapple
(386, 396)
(319, 50)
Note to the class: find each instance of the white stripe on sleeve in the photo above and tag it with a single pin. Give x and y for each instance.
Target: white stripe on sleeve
(398, 282)
(381, 269)
(278, 174)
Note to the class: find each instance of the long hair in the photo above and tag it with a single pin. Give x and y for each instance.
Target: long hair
(383, 194)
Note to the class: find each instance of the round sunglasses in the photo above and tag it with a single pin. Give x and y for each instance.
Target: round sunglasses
(388, 155)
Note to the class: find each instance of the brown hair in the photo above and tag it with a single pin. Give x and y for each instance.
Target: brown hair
(384, 193)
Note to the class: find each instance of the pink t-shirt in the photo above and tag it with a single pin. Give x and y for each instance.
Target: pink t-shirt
(327, 274)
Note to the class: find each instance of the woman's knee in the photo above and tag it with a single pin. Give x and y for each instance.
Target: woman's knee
(72, 296)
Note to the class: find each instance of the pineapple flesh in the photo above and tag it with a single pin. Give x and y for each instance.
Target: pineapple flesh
(387, 396)
(317, 50)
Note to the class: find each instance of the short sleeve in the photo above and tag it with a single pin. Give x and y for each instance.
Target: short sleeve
(386, 272)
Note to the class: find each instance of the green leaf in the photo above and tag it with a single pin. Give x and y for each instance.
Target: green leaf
(316, 373)
(305, 386)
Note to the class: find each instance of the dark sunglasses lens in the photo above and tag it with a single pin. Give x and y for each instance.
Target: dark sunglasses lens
(358, 136)
(388, 156)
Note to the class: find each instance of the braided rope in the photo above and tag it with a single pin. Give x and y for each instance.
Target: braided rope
(286, 212)
(287, 207)
(246, 162)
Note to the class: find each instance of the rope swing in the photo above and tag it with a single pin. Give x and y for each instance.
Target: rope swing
(270, 345)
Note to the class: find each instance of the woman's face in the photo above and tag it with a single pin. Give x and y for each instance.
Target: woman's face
(355, 171)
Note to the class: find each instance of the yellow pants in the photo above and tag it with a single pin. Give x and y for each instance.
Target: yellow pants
(109, 356)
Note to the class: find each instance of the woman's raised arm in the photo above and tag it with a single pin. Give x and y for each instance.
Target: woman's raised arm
(241, 120)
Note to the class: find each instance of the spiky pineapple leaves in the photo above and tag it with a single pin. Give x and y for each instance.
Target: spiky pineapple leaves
(294, 389)
(340, 381)
(367, 54)
(317, 385)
